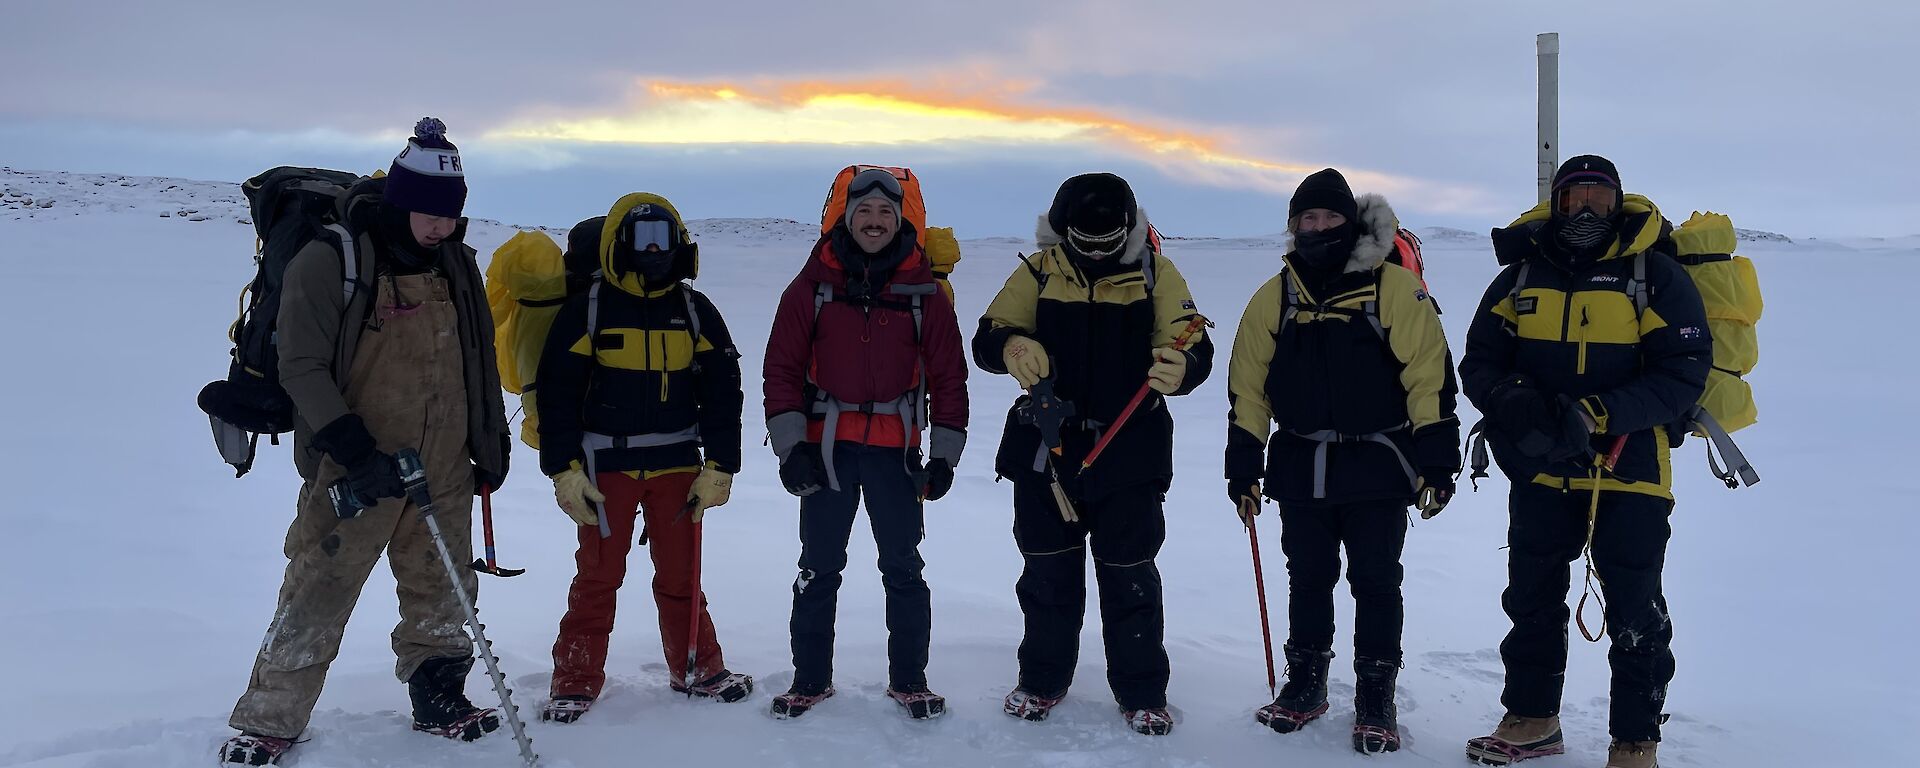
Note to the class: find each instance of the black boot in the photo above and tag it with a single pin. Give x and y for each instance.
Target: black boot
(1304, 697)
(1375, 728)
(440, 706)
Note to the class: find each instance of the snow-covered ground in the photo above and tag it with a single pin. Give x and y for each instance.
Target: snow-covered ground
(137, 575)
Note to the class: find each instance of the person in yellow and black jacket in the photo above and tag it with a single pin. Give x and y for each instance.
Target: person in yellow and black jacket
(638, 376)
(1344, 352)
(1092, 316)
(1590, 336)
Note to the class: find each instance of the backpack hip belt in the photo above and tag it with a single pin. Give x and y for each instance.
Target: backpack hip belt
(594, 441)
(907, 407)
(1326, 437)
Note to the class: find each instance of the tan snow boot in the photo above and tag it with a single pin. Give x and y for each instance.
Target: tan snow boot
(1518, 738)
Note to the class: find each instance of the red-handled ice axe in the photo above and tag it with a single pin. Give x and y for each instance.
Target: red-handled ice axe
(1260, 588)
(1179, 343)
(487, 564)
(693, 619)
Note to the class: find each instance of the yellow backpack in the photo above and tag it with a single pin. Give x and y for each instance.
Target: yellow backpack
(1730, 289)
(526, 285)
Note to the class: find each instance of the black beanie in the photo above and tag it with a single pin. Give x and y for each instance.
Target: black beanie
(1094, 203)
(1324, 189)
(1586, 169)
(426, 177)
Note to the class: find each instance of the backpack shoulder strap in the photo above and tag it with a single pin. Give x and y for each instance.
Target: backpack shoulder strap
(693, 322)
(1289, 300)
(593, 310)
(693, 312)
(1372, 309)
(1519, 284)
(1039, 275)
(349, 261)
(1637, 287)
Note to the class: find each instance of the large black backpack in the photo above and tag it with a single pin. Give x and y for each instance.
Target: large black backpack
(291, 207)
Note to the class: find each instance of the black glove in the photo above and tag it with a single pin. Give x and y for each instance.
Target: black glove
(1525, 417)
(376, 477)
(1243, 488)
(488, 481)
(1573, 439)
(939, 479)
(1244, 492)
(802, 472)
(1436, 489)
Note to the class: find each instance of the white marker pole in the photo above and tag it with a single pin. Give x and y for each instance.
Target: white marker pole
(1548, 143)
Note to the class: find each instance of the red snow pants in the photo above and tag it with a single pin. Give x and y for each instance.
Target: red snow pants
(580, 653)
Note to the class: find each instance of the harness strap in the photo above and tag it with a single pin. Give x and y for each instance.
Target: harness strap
(1477, 451)
(1738, 471)
(832, 407)
(1326, 437)
(594, 441)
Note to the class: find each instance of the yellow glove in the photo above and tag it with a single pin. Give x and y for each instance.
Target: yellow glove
(1026, 360)
(711, 488)
(576, 496)
(1169, 370)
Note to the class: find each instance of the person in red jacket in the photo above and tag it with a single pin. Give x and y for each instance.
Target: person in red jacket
(865, 351)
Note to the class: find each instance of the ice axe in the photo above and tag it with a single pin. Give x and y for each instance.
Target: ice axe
(1179, 343)
(1047, 412)
(693, 618)
(487, 564)
(413, 476)
(1260, 588)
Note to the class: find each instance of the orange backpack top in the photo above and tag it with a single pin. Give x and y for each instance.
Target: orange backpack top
(1406, 253)
(913, 209)
(938, 243)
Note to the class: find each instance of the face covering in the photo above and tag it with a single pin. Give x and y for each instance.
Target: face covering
(653, 268)
(1097, 246)
(1583, 231)
(1327, 250)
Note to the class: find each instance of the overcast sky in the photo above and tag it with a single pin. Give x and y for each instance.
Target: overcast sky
(1791, 117)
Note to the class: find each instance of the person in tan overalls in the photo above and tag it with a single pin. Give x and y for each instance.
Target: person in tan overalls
(403, 359)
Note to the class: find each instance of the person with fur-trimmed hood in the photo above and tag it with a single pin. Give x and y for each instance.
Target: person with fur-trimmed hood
(640, 401)
(403, 360)
(1087, 320)
(1342, 412)
(864, 355)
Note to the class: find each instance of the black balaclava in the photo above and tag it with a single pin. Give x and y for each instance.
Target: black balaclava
(1323, 255)
(1584, 235)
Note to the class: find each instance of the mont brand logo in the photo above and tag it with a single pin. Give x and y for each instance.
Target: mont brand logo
(1604, 279)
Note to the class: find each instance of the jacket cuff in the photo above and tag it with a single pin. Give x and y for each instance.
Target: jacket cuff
(1437, 445)
(1246, 455)
(991, 354)
(947, 443)
(345, 440)
(786, 430)
(556, 460)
